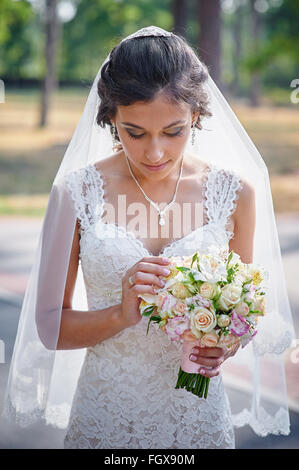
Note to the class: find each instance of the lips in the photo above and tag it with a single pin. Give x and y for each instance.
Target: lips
(156, 166)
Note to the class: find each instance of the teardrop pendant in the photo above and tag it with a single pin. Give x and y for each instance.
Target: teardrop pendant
(162, 220)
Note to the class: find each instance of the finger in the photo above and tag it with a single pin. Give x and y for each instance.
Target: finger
(144, 278)
(143, 289)
(152, 268)
(205, 361)
(209, 372)
(156, 259)
(208, 352)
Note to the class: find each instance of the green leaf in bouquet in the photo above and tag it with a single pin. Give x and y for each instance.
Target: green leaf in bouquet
(148, 311)
(191, 276)
(183, 269)
(192, 289)
(256, 312)
(153, 318)
(194, 258)
(229, 258)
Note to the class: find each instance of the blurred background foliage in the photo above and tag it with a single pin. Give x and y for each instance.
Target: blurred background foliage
(50, 52)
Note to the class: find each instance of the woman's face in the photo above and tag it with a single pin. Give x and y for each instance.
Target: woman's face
(153, 134)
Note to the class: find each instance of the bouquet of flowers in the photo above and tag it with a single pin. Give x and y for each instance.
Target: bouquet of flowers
(211, 299)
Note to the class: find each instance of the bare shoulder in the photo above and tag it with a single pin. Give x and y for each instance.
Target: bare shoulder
(194, 166)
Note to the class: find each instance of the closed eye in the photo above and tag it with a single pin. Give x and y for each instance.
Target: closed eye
(168, 134)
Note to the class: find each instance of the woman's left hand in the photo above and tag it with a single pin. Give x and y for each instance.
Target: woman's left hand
(210, 359)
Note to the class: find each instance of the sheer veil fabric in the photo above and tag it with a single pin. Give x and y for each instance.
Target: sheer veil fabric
(42, 380)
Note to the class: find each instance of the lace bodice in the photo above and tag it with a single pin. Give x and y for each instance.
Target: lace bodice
(125, 396)
(108, 250)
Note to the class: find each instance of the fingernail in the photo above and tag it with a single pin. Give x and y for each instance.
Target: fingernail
(192, 357)
(201, 371)
(166, 271)
(165, 260)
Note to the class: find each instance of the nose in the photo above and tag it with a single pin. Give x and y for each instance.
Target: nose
(154, 153)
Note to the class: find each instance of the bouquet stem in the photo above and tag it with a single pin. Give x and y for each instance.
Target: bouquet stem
(194, 383)
(188, 376)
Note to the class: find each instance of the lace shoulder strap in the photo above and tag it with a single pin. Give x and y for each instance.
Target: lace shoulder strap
(222, 192)
(87, 194)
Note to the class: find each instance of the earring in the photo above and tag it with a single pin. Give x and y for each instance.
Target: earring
(115, 141)
(193, 134)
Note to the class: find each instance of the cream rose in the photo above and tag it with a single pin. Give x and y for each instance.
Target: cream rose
(223, 320)
(180, 291)
(202, 319)
(230, 295)
(208, 290)
(242, 309)
(180, 308)
(209, 340)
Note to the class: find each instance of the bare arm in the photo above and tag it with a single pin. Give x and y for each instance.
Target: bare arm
(244, 220)
(79, 329)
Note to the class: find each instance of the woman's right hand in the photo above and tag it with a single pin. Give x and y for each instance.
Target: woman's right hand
(145, 276)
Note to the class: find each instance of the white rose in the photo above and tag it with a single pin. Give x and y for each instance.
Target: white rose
(230, 295)
(223, 320)
(208, 290)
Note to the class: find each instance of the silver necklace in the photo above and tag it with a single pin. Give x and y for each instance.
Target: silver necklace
(160, 211)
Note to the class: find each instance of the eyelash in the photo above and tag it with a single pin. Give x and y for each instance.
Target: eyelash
(168, 135)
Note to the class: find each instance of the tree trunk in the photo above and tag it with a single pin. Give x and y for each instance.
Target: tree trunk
(209, 17)
(255, 75)
(237, 40)
(179, 11)
(50, 81)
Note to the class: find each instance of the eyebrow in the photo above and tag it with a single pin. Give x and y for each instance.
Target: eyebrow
(166, 127)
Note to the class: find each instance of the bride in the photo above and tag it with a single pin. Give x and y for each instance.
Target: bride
(152, 122)
(152, 96)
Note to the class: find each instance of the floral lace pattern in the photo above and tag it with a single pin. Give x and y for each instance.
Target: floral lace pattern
(125, 397)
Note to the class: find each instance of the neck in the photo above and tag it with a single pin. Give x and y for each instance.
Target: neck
(144, 181)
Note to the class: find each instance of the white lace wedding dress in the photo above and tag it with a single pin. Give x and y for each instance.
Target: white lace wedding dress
(125, 397)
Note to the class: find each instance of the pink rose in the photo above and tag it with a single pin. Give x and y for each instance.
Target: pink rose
(166, 302)
(239, 325)
(175, 327)
(201, 300)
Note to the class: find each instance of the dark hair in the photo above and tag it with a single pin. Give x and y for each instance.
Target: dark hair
(141, 67)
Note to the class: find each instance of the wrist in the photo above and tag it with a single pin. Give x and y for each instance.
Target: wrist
(118, 318)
